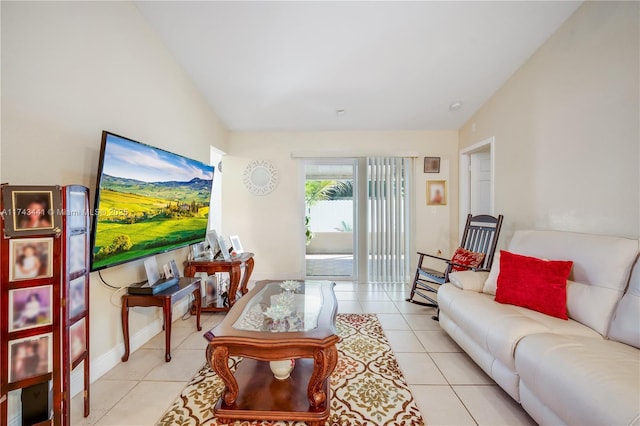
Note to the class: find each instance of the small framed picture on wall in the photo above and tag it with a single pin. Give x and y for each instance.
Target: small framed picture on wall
(432, 164)
(436, 192)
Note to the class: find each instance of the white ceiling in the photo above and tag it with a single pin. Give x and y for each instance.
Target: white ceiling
(389, 65)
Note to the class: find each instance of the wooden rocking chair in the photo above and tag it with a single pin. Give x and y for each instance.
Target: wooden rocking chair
(480, 236)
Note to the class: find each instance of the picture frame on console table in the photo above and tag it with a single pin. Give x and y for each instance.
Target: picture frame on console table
(236, 245)
(224, 248)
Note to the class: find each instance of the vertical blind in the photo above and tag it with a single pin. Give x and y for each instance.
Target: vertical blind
(388, 218)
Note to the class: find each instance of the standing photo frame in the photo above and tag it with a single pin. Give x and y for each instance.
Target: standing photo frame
(30, 357)
(198, 251)
(30, 258)
(212, 240)
(211, 291)
(30, 307)
(432, 164)
(31, 210)
(236, 245)
(436, 192)
(224, 248)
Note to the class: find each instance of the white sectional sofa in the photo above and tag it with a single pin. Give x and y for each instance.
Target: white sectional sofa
(580, 371)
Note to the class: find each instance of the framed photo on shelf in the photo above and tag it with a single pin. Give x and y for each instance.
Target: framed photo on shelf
(236, 245)
(432, 164)
(30, 357)
(212, 241)
(31, 210)
(77, 299)
(224, 248)
(222, 289)
(436, 192)
(30, 307)
(198, 251)
(211, 291)
(77, 339)
(30, 258)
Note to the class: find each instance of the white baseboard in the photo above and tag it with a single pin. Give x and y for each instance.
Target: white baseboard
(100, 365)
(105, 362)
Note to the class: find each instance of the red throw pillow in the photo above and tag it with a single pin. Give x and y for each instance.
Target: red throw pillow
(466, 257)
(537, 284)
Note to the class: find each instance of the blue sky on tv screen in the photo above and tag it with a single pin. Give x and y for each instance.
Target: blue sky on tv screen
(126, 159)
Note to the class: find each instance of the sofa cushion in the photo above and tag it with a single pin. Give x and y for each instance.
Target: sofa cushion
(626, 319)
(601, 267)
(534, 283)
(498, 328)
(582, 380)
(469, 280)
(491, 285)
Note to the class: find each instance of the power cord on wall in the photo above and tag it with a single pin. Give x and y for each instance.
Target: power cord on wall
(117, 292)
(106, 283)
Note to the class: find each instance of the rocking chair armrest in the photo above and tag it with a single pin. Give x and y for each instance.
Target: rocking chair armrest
(434, 257)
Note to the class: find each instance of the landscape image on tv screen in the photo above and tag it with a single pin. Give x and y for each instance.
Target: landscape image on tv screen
(148, 201)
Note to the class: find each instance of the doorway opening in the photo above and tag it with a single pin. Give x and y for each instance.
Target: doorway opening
(477, 180)
(331, 219)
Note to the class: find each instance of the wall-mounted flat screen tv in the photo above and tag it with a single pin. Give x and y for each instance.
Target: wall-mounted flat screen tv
(148, 201)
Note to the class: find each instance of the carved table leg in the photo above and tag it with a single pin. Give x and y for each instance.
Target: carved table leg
(166, 308)
(197, 302)
(234, 281)
(220, 364)
(324, 361)
(248, 268)
(125, 328)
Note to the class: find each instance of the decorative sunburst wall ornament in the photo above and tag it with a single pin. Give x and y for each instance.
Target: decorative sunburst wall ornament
(260, 177)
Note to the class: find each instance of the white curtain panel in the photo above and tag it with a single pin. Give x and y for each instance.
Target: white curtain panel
(388, 210)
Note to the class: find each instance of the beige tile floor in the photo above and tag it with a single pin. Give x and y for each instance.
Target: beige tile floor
(448, 387)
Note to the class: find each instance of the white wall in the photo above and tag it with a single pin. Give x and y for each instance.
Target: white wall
(272, 226)
(566, 128)
(70, 70)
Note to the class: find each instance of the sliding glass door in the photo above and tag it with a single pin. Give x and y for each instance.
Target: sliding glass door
(331, 218)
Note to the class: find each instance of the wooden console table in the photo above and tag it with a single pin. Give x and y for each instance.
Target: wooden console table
(232, 267)
(163, 299)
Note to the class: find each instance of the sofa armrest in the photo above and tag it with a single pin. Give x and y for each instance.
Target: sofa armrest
(469, 280)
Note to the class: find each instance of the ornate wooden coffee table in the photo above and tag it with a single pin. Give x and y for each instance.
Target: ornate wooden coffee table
(274, 323)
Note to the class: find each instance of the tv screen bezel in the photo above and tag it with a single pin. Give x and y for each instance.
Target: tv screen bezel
(97, 196)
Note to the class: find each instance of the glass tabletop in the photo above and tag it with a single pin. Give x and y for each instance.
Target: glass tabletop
(287, 306)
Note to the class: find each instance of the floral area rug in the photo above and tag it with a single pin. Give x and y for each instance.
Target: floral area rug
(367, 386)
